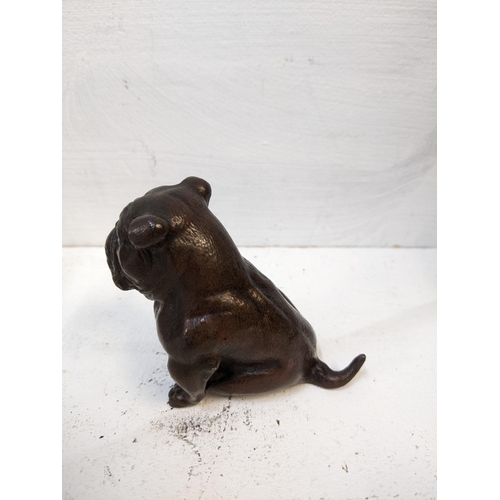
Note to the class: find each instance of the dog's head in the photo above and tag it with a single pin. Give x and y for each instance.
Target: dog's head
(135, 247)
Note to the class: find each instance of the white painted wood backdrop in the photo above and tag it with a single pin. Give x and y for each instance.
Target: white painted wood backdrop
(314, 121)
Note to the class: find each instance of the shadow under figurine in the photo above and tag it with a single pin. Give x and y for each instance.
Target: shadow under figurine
(225, 326)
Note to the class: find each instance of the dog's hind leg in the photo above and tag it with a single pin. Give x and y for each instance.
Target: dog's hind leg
(322, 375)
(254, 378)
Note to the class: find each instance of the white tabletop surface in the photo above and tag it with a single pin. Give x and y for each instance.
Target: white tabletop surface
(374, 438)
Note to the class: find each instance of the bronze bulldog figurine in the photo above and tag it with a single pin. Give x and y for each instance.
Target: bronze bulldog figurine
(225, 326)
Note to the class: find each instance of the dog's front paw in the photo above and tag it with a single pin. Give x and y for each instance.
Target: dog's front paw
(179, 398)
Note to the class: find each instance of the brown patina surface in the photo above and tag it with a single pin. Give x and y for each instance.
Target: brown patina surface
(225, 326)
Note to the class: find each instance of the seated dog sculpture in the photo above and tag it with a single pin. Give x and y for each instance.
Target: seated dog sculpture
(225, 326)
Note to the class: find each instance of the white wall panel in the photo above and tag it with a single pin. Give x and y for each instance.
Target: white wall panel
(314, 121)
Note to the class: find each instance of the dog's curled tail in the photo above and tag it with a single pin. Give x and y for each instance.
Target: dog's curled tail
(322, 375)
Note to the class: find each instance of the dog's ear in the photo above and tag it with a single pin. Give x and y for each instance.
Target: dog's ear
(147, 230)
(201, 186)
